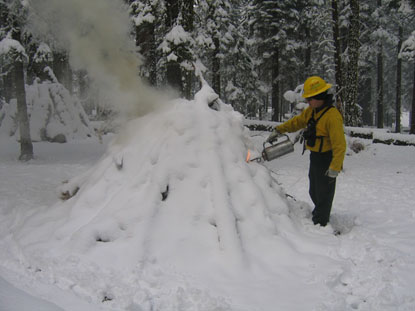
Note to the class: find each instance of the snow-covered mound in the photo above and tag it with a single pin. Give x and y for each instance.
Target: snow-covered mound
(54, 114)
(173, 194)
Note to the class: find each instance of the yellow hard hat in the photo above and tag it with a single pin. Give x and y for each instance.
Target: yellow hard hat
(315, 85)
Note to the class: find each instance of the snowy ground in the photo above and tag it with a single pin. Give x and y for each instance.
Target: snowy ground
(27, 187)
(370, 266)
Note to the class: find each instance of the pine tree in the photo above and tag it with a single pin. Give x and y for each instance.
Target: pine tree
(216, 12)
(368, 62)
(400, 16)
(13, 58)
(173, 71)
(271, 22)
(224, 34)
(145, 15)
(178, 45)
(40, 61)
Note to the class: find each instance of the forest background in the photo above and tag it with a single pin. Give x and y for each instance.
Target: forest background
(251, 52)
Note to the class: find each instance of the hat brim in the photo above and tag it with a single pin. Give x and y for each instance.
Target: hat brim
(328, 85)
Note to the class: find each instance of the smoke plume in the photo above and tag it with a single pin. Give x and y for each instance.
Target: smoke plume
(96, 35)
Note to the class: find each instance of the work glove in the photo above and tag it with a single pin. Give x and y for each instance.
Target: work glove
(273, 136)
(332, 173)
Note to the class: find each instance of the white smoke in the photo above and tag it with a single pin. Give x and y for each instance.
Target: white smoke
(96, 35)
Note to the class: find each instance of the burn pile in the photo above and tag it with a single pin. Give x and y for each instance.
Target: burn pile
(173, 190)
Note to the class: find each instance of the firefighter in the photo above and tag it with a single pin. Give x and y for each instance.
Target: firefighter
(324, 136)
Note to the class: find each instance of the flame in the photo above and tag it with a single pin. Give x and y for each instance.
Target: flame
(248, 156)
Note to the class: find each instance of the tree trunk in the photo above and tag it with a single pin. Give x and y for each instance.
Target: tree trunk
(5, 84)
(379, 90)
(83, 82)
(84, 92)
(62, 70)
(275, 85)
(26, 147)
(412, 130)
(399, 84)
(337, 56)
(7, 90)
(172, 12)
(19, 92)
(145, 40)
(366, 99)
(216, 66)
(307, 62)
(188, 17)
(173, 74)
(352, 114)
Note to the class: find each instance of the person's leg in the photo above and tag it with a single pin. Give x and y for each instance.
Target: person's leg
(323, 188)
(312, 172)
(325, 193)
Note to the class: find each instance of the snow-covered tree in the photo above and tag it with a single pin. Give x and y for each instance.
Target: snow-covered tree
(42, 62)
(253, 51)
(352, 110)
(223, 47)
(12, 59)
(216, 22)
(178, 45)
(146, 19)
(271, 20)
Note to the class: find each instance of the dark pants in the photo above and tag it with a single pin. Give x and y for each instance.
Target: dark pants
(322, 187)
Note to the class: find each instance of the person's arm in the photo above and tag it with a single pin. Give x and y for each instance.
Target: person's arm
(296, 123)
(338, 141)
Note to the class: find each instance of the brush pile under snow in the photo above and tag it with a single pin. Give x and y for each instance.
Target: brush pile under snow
(54, 115)
(173, 194)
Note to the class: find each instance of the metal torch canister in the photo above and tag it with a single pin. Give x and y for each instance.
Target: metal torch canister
(278, 149)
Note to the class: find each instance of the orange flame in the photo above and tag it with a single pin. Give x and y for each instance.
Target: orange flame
(248, 156)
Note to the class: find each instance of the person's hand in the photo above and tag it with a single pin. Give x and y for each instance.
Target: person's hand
(332, 173)
(273, 136)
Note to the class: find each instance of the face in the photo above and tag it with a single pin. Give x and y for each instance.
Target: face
(314, 103)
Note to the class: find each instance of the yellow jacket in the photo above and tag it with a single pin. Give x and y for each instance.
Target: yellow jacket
(330, 126)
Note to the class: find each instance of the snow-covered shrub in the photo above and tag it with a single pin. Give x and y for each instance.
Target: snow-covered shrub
(357, 146)
(54, 114)
(8, 118)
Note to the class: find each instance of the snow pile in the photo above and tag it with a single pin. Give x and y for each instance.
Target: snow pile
(172, 198)
(54, 114)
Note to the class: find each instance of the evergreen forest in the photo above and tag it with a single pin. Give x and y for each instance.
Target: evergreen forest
(250, 51)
